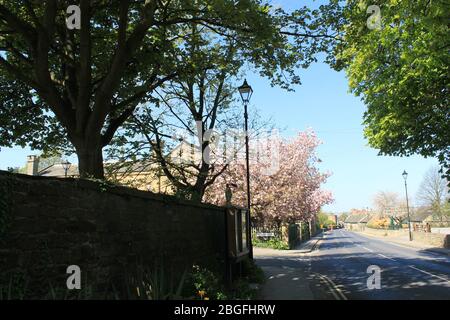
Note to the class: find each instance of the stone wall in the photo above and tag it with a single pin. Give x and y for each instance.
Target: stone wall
(47, 224)
(355, 226)
(386, 233)
(432, 239)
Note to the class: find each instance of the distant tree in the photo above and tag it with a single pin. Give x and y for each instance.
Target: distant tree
(342, 217)
(446, 208)
(384, 200)
(323, 219)
(22, 170)
(433, 191)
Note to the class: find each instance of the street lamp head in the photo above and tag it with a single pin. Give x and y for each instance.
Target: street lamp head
(66, 165)
(246, 92)
(405, 175)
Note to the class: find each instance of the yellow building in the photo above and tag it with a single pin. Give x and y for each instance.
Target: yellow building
(142, 174)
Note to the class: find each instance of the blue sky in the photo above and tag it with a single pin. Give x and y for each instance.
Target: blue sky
(324, 104)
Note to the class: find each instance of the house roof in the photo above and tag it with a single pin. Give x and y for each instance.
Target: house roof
(57, 170)
(420, 215)
(184, 149)
(135, 167)
(366, 218)
(435, 218)
(358, 218)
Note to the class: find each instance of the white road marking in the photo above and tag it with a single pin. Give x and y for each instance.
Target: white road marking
(336, 297)
(382, 255)
(430, 274)
(370, 250)
(414, 249)
(402, 246)
(337, 293)
(333, 288)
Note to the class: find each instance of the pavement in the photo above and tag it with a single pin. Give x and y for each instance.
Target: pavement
(404, 241)
(308, 246)
(440, 230)
(286, 277)
(339, 265)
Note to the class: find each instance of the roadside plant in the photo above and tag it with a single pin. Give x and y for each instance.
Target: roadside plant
(14, 288)
(206, 284)
(273, 243)
(157, 283)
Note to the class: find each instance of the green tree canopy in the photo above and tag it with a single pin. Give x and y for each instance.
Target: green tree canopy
(76, 88)
(401, 71)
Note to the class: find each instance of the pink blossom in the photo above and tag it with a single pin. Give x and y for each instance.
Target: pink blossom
(291, 193)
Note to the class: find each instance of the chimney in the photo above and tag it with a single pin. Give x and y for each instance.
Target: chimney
(154, 153)
(32, 165)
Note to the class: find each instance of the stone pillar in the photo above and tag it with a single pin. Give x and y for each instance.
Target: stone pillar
(285, 233)
(32, 165)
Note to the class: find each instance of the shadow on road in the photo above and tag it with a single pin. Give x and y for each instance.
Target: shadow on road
(401, 278)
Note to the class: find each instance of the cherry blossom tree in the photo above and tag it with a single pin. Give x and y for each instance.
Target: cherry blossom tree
(290, 193)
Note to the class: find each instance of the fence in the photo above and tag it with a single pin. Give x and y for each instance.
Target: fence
(291, 234)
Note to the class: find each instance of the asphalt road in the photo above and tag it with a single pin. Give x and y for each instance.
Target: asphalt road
(343, 257)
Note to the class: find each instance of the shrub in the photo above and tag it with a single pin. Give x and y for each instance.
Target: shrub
(205, 284)
(379, 223)
(273, 243)
(158, 283)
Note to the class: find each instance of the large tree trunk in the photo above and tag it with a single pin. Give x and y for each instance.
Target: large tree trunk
(198, 190)
(197, 194)
(90, 161)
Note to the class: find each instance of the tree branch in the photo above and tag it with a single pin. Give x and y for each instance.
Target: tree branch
(85, 73)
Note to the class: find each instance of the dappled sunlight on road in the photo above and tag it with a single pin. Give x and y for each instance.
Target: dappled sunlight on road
(405, 273)
(338, 269)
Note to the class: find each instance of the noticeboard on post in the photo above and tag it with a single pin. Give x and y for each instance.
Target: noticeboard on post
(238, 233)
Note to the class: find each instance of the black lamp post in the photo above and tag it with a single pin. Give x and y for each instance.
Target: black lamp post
(66, 166)
(246, 92)
(405, 176)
